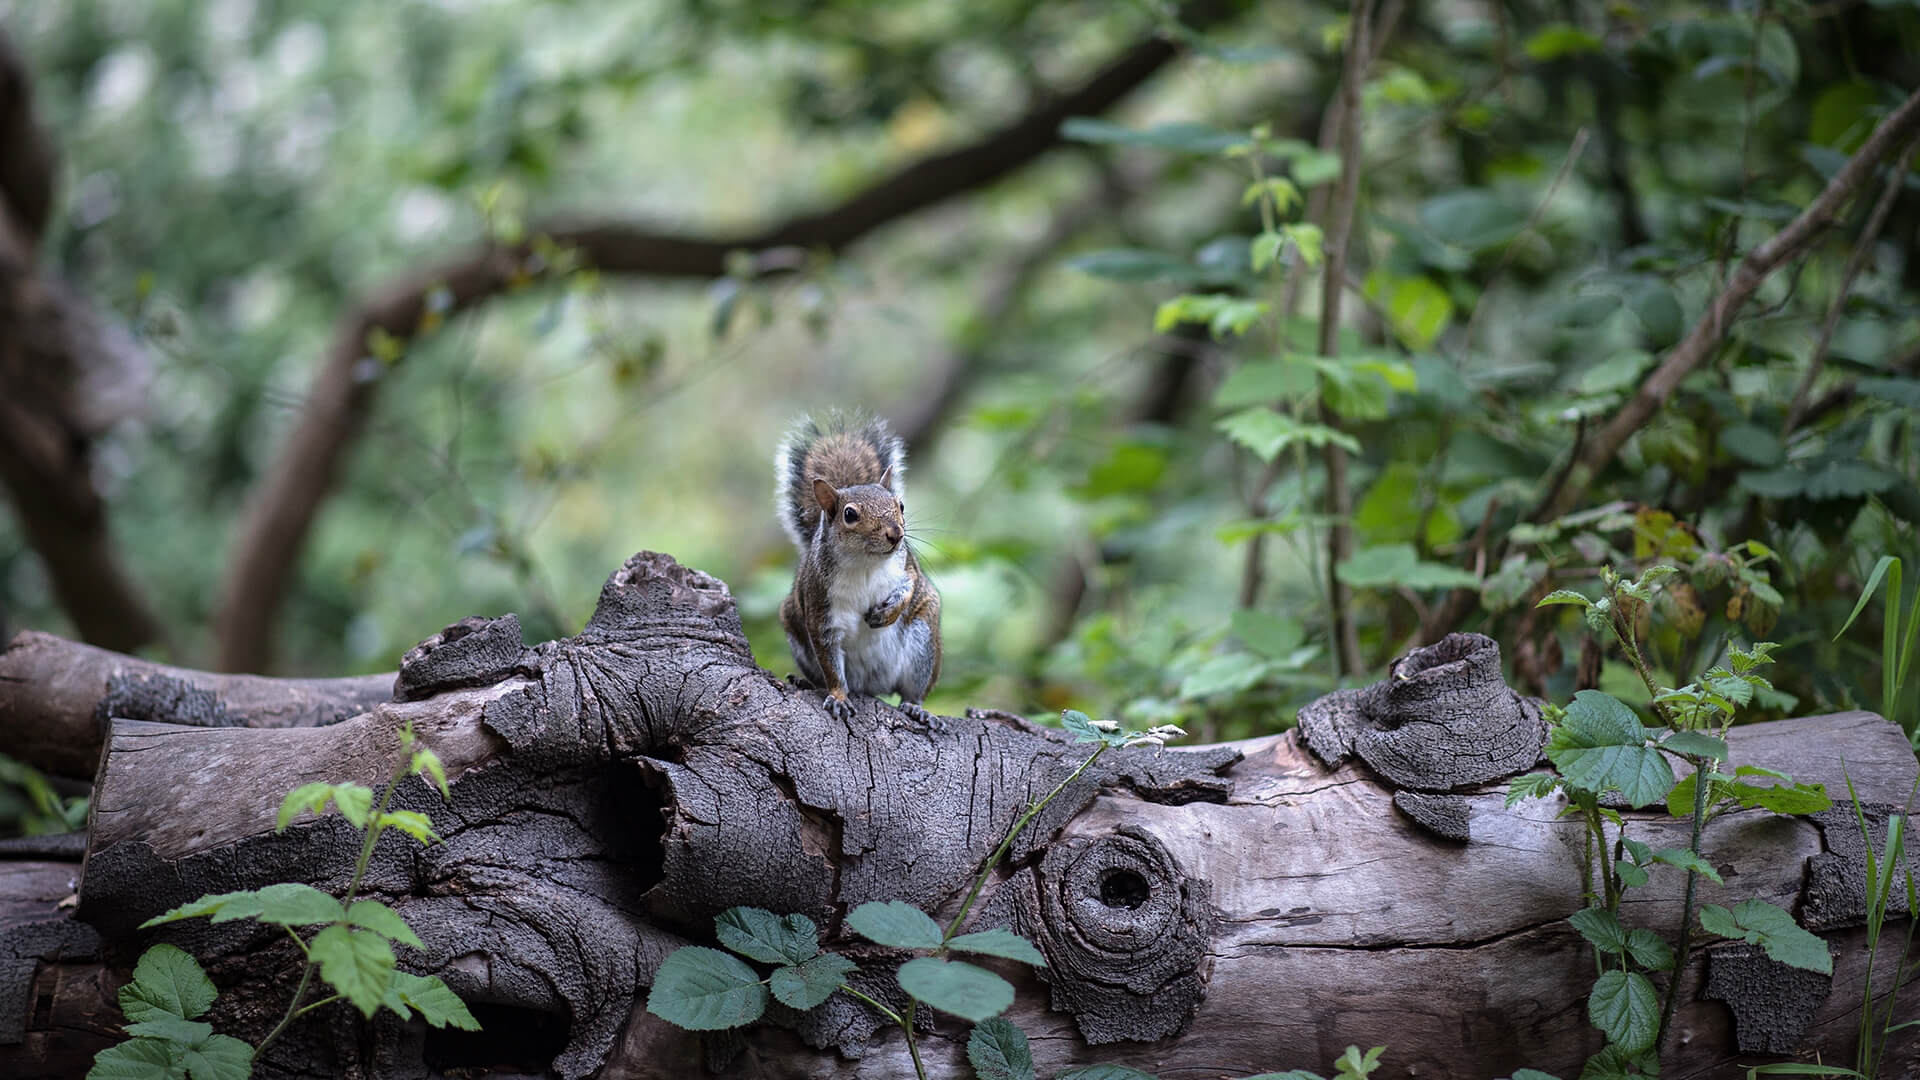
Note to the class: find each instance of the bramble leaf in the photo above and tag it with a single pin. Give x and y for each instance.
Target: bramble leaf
(998, 1050)
(220, 1057)
(1601, 927)
(805, 985)
(1625, 1006)
(383, 920)
(957, 987)
(356, 963)
(1002, 943)
(759, 934)
(895, 923)
(437, 1004)
(1601, 746)
(140, 1059)
(168, 981)
(704, 989)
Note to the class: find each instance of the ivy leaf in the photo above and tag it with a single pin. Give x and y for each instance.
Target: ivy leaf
(898, 924)
(1601, 746)
(383, 920)
(811, 982)
(436, 1002)
(998, 1050)
(1004, 944)
(759, 934)
(140, 1059)
(704, 989)
(957, 987)
(168, 981)
(356, 963)
(220, 1057)
(1624, 1005)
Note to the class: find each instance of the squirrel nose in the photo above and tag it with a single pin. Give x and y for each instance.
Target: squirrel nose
(893, 533)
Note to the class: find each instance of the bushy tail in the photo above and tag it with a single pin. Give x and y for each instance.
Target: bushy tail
(843, 451)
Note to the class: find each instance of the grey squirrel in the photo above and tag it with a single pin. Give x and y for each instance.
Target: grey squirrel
(862, 618)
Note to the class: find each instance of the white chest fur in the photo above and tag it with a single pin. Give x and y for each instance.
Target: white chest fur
(877, 659)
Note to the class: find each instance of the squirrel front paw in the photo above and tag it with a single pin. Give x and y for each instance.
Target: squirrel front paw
(877, 614)
(838, 706)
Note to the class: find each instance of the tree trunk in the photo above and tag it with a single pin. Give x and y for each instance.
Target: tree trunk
(1211, 912)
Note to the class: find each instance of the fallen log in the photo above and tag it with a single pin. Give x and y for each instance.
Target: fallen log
(1211, 912)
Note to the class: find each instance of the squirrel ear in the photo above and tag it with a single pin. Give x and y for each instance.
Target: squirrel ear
(886, 478)
(824, 494)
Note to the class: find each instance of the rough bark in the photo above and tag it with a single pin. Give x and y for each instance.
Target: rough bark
(274, 526)
(1219, 911)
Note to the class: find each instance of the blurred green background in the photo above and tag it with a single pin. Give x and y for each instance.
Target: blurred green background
(1549, 194)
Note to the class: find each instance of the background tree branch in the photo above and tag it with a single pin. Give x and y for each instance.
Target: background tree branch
(288, 496)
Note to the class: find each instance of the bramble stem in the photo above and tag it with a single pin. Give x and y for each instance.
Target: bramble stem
(373, 831)
(1700, 787)
(1007, 844)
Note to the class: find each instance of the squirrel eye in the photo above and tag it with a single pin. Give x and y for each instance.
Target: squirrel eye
(852, 515)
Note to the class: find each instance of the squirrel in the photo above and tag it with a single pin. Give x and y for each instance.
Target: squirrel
(862, 617)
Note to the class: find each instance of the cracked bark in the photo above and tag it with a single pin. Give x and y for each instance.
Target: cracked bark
(613, 791)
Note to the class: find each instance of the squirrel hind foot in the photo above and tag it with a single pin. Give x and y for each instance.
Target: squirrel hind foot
(918, 713)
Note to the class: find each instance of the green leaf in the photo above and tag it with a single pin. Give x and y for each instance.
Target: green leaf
(169, 981)
(1307, 238)
(895, 923)
(140, 1059)
(220, 1057)
(1601, 927)
(1624, 1005)
(173, 1029)
(1386, 566)
(1552, 42)
(1687, 860)
(383, 920)
(1531, 1074)
(1753, 444)
(1418, 310)
(1902, 392)
(1004, 944)
(356, 963)
(1136, 264)
(998, 1050)
(1471, 218)
(1601, 746)
(1531, 786)
(1649, 950)
(704, 989)
(1266, 433)
(1261, 382)
(1272, 636)
(1697, 743)
(411, 822)
(1227, 674)
(957, 987)
(354, 802)
(1351, 392)
(436, 1002)
(1780, 798)
(758, 934)
(1105, 1072)
(1265, 250)
(1630, 875)
(1564, 596)
(1183, 138)
(427, 763)
(807, 984)
(1760, 923)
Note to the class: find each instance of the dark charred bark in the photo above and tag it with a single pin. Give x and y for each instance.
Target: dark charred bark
(1231, 909)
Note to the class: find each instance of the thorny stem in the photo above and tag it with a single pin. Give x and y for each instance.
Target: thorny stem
(1700, 788)
(374, 829)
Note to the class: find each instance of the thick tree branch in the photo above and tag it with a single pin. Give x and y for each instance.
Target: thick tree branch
(1699, 344)
(1346, 634)
(63, 380)
(275, 524)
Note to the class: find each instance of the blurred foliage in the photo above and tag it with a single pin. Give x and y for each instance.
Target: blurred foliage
(237, 172)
